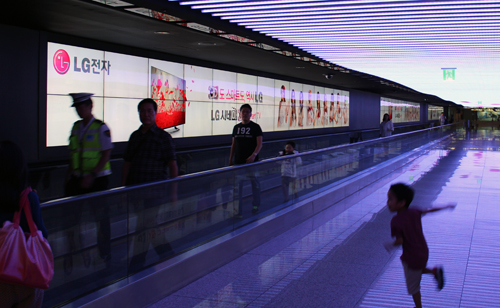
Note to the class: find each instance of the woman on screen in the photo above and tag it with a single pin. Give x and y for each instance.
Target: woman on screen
(310, 111)
(325, 111)
(282, 109)
(332, 108)
(293, 115)
(346, 111)
(317, 118)
(301, 109)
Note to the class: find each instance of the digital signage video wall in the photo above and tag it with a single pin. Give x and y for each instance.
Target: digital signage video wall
(488, 114)
(192, 101)
(399, 111)
(433, 112)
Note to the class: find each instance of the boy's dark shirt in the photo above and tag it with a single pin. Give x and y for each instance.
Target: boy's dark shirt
(408, 225)
(245, 141)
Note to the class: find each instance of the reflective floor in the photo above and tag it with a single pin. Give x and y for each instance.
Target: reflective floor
(339, 260)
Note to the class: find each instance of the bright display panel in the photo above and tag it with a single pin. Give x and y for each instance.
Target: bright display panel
(433, 112)
(488, 114)
(399, 111)
(192, 101)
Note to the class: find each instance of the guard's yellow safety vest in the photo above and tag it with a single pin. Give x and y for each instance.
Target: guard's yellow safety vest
(86, 153)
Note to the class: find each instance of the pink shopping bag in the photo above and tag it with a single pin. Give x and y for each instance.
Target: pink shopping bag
(25, 258)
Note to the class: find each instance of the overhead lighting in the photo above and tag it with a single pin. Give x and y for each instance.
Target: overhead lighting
(340, 7)
(207, 44)
(161, 32)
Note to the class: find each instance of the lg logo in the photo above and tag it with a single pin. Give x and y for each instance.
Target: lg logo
(90, 66)
(61, 61)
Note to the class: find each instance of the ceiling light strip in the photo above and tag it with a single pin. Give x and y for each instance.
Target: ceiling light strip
(250, 7)
(312, 10)
(314, 38)
(389, 34)
(458, 22)
(332, 20)
(382, 26)
(356, 13)
(385, 30)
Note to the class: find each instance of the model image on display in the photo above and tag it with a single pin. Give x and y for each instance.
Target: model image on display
(293, 115)
(301, 109)
(282, 109)
(310, 111)
(325, 111)
(317, 118)
(332, 108)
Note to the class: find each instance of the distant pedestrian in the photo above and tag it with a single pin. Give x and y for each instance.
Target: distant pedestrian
(386, 127)
(406, 227)
(442, 119)
(245, 148)
(289, 169)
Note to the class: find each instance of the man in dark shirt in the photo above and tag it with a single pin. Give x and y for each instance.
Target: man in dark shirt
(149, 153)
(245, 148)
(150, 150)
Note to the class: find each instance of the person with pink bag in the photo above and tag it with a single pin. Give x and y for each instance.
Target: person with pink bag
(22, 256)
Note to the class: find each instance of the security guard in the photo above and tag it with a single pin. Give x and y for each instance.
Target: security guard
(90, 146)
(89, 169)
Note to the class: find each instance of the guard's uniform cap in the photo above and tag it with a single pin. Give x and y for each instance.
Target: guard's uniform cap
(79, 98)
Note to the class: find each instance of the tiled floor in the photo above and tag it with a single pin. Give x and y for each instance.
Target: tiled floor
(339, 261)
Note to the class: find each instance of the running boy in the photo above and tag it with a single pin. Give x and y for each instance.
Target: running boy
(406, 226)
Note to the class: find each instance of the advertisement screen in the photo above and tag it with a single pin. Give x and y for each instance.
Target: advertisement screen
(488, 114)
(433, 112)
(169, 93)
(192, 101)
(399, 111)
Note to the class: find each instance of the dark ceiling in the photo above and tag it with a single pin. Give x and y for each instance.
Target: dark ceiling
(96, 21)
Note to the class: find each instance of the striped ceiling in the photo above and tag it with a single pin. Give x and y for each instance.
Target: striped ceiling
(339, 30)
(366, 35)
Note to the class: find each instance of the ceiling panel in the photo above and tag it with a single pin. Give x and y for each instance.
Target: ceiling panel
(448, 48)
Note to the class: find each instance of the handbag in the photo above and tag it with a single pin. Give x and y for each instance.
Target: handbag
(25, 258)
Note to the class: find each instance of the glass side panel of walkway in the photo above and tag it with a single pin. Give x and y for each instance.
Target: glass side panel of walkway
(338, 260)
(103, 238)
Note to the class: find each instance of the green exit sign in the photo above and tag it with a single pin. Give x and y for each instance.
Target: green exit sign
(448, 73)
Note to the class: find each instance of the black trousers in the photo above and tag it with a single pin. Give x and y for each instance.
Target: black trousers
(100, 211)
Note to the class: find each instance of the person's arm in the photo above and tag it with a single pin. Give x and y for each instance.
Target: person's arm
(125, 171)
(451, 205)
(70, 171)
(89, 178)
(105, 155)
(251, 159)
(389, 246)
(392, 126)
(298, 160)
(36, 213)
(174, 170)
(231, 153)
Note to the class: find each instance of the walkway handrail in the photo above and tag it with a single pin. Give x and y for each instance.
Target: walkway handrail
(125, 189)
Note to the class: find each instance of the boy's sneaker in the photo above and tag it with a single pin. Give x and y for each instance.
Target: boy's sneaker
(440, 277)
